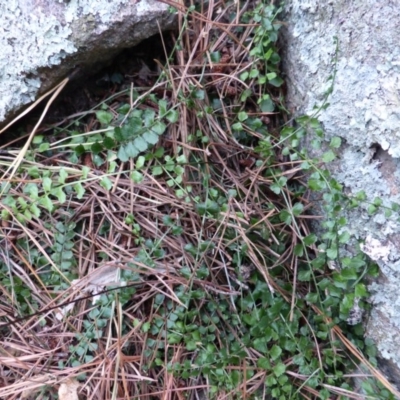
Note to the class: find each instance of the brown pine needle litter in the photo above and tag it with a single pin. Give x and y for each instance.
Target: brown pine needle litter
(151, 243)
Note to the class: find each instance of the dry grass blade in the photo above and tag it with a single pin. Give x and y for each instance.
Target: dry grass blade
(16, 163)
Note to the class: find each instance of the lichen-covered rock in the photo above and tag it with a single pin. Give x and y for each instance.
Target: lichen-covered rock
(42, 41)
(364, 111)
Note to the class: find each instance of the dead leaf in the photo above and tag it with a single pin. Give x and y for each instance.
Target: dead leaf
(95, 282)
(69, 390)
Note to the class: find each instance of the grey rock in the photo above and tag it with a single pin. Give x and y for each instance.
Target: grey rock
(43, 41)
(365, 112)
